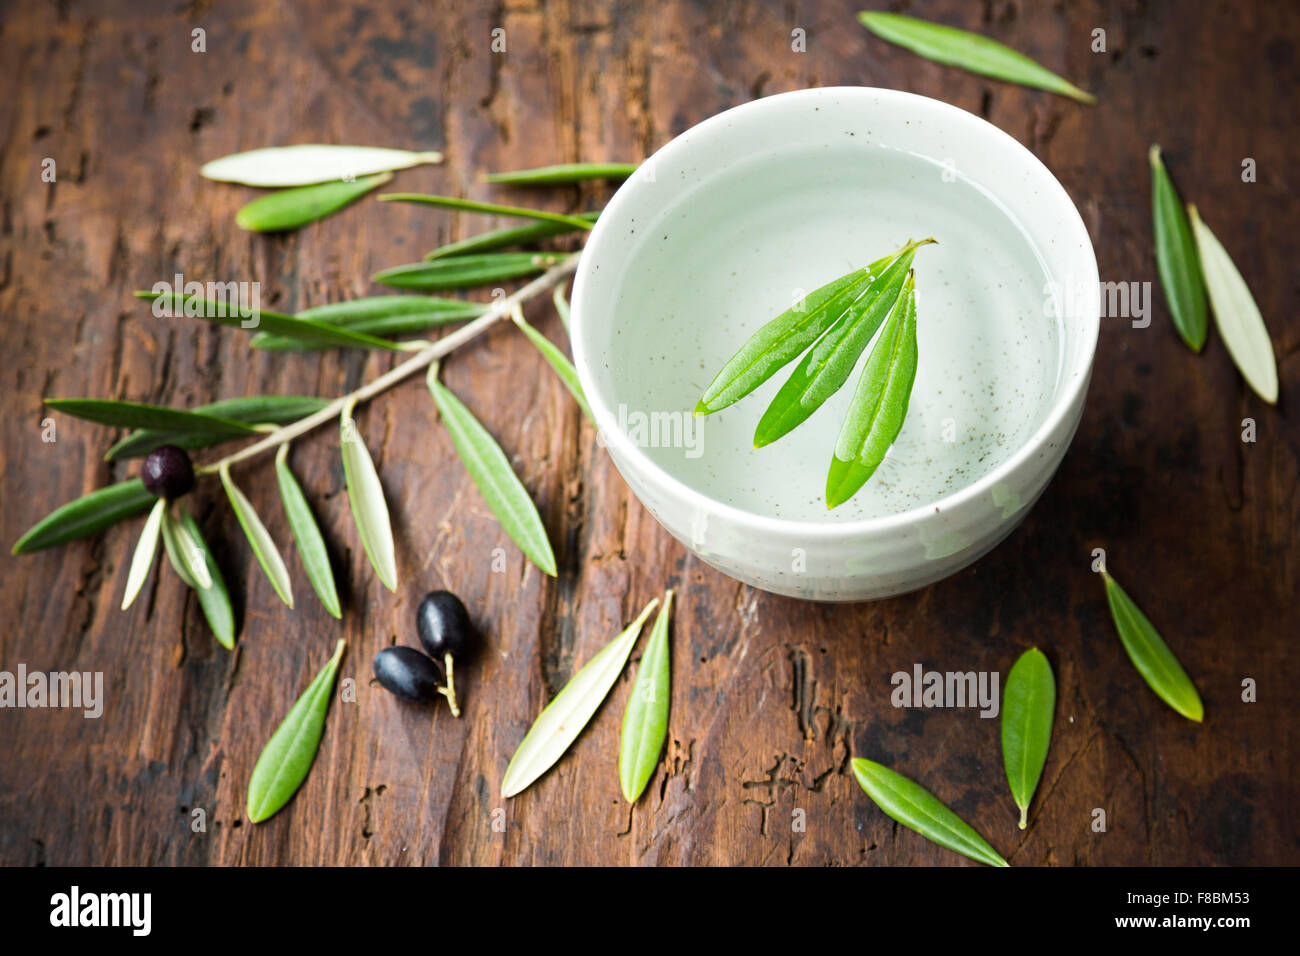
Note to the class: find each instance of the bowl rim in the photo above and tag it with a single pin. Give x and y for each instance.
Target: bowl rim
(620, 444)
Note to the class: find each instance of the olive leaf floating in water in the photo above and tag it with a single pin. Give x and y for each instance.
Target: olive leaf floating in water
(1151, 655)
(831, 327)
(969, 51)
(918, 809)
(1028, 703)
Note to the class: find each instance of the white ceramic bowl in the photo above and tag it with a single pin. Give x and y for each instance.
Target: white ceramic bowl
(738, 217)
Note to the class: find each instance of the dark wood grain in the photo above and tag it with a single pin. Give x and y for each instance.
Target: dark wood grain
(771, 696)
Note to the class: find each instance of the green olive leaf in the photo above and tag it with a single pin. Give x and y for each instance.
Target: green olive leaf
(306, 534)
(830, 361)
(251, 410)
(917, 809)
(289, 754)
(89, 514)
(1028, 703)
(369, 507)
(465, 272)
(1176, 259)
(557, 359)
(561, 305)
(145, 548)
(969, 51)
(259, 539)
(159, 417)
(237, 316)
(645, 721)
(488, 208)
(559, 724)
(1151, 656)
(215, 600)
(308, 163)
(564, 174)
(490, 471)
(1236, 315)
(292, 208)
(513, 237)
(879, 404)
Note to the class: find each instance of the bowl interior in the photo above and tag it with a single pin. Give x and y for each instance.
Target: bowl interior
(739, 217)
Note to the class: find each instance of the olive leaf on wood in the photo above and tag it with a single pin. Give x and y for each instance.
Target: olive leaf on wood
(645, 721)
(306, 534)
(1028, 703)
(969, 51)
(142, 559)
(289, 754)
(292, 208)
(563, 174)
(259, 539)
(1151, 655)
(369, 506)
(309, 163)
(512, 237)
(87, 515)
(918, 809)
(465, 272)
(488, 208)
(1177, 260)
(564, 718)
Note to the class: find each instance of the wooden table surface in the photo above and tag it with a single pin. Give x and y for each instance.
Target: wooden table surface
(771, 696)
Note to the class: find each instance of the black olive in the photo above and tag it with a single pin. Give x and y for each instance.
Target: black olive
(167, 472)
(407, 673)
(444, 625)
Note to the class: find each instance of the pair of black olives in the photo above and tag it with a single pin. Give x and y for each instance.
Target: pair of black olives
(446, 632)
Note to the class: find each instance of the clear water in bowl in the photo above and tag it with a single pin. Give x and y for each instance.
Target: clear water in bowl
(741, 245)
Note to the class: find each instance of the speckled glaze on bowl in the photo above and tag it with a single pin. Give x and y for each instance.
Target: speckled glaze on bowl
(734, 219)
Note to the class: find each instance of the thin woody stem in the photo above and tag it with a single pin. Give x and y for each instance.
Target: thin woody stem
(420, 360)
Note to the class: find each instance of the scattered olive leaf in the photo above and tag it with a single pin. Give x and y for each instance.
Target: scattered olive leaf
(87, 515)
(488, 208)
(563, 174)
(497, 482)
(1028, 703)
(917, 809)
(564, 718)
(1176, 259)
(969, 51)
(291, 208)
(289, 754)
(308, 163)
(645, 722)
(306, 534)
(1151, 656)
(1236, 315)
(184, 553)
(259, 539)
(369, 507)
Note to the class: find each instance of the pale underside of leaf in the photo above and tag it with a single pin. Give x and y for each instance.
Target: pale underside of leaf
(969, 51)
(917, 809)
(308, 163)
(185, 553)
(1236, 315)
(1151, 655)
(496, 481)
(645, 722)
(142, 559)
(287, 757)
(565, 717)
(879, 404)
(215, 601)
(306, 534)
(259, 539)
(369, 506)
